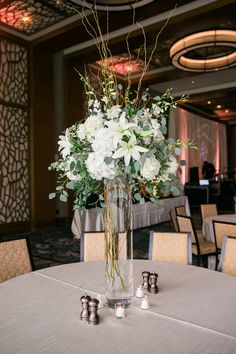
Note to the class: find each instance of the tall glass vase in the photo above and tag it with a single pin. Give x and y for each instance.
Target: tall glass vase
(119, 242)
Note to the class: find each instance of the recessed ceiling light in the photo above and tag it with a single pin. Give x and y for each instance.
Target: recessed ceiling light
(226, 111)
(193, 82)
(218, 106)
(208, 102)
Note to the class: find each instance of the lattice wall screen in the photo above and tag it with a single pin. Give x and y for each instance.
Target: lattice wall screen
(14, 170)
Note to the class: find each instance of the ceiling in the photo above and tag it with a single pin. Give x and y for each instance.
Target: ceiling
(57, 24)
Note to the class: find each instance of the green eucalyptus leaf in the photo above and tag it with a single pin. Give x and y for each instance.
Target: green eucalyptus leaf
(137, 166)
(59, 188)
(70, 185)
(63, 198)
(52, 195)
(171, 141)
(127, 169)
(142, 201)
(108, 160)
(137, 196)
(177, 151)
(182, 162)
(175, 191)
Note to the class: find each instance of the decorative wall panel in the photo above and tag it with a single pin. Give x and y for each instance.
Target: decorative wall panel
(14, 171)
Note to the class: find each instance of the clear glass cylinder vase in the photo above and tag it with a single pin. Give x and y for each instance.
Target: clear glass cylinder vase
(119, 242)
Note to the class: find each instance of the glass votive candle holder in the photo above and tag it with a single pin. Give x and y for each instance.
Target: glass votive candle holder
(120, 310)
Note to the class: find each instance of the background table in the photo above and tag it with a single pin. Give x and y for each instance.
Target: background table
(207, 226)
(194, 312)
(143, 215)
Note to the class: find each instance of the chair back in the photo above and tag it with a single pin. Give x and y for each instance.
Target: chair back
(174, 247)
(93, 246)
(208, 210)
(15, 258)
(227, 263)
(181, 210)
(174, 220)
(221, 229)
(185, 225)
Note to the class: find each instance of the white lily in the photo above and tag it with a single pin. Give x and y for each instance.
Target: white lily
(119, 129)
(65, 144)
(128, 150)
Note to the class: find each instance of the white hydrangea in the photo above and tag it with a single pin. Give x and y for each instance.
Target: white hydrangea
(103, 142)
(156, 130)
(97, 167)
(150, 168)
(88, 129)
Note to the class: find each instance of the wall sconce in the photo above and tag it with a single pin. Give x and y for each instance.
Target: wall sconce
(112, 5)
(205, 51)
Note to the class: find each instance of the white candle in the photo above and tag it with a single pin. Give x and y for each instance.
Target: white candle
(145, 304)
(120, 310)
(139, 292)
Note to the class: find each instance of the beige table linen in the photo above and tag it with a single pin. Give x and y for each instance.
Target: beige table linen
(207, 226)
(143, 215)
(194, 312)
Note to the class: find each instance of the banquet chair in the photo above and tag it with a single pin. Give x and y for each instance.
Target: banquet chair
(208, 210)
(200, 247)
(174, 247)
(93, 245)
(15, 258)
(181, 210)
(173, 219)
(227, 262)
(221, 229)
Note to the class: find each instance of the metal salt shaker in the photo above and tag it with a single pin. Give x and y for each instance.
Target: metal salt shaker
(84, 316)
(93, 308)
(146, 275)
(153, 283)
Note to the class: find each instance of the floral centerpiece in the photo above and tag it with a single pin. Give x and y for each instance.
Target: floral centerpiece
(117, 139)
(118, 155)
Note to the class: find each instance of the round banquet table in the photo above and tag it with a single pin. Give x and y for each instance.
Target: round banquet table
(194, 312)
(207, 227)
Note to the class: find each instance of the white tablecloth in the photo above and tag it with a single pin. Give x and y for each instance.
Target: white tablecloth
(194, 312)
(207, 226)
(143, 215)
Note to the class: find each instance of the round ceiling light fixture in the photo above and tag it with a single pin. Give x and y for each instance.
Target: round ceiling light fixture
(205, 51)
(112, 5)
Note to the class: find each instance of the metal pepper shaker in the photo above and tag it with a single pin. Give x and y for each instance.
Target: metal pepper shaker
(146, 275)
(84, 316)
(153, 283)
(93, 308)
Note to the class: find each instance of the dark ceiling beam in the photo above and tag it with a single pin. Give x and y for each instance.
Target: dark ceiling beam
(54, 8)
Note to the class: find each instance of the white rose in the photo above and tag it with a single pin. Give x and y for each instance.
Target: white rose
(98, 169)
(150, 168)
